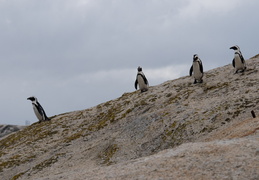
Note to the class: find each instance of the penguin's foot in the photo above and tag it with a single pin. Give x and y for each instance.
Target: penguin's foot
(240, 71)
(143, 90)
(197, 81)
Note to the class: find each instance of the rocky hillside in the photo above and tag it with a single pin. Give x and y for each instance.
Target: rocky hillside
(175, 130)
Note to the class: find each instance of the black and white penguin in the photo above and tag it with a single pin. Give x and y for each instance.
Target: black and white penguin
(141, 80)
(238, 61)
(38, 110)
(197, 69)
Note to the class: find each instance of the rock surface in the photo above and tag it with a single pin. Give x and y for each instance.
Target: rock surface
(175, 130)
(8, 129)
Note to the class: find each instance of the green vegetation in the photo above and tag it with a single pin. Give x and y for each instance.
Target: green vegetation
(27, 136)
(17, 176)
(104, 118)
(74, 136)
(15, 160)
(216, 87)
(184, 94)
(174, 133)
(108, 153)
(40, 166)
(47, 162)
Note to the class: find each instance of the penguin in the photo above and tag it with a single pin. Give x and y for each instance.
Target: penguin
(38, 110)
(141, 80)
(238, 61)
(197, 69)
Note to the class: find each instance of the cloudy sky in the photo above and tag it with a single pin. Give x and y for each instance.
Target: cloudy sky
(75, 54)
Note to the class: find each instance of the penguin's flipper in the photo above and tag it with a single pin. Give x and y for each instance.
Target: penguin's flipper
(242, 58)
(136, 84)
(39, 109)
(201, 67)
(190, 72)
(145, 80)
(233, 62)
(42, 112)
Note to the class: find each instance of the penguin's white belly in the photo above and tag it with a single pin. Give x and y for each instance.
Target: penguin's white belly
(141, 83)
(196, 71)
(40, 118)
(238, 63)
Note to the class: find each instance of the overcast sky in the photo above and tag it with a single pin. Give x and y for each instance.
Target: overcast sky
(75, 54)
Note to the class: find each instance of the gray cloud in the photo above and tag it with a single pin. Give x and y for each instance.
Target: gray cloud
(73, 54)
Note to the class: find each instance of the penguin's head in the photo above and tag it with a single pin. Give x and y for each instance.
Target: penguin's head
(235, 48)
(195, 57)
(139, 69)
(32, 98)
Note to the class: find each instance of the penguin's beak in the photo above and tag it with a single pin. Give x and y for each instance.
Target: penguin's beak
(29, 98)
(233, 47)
